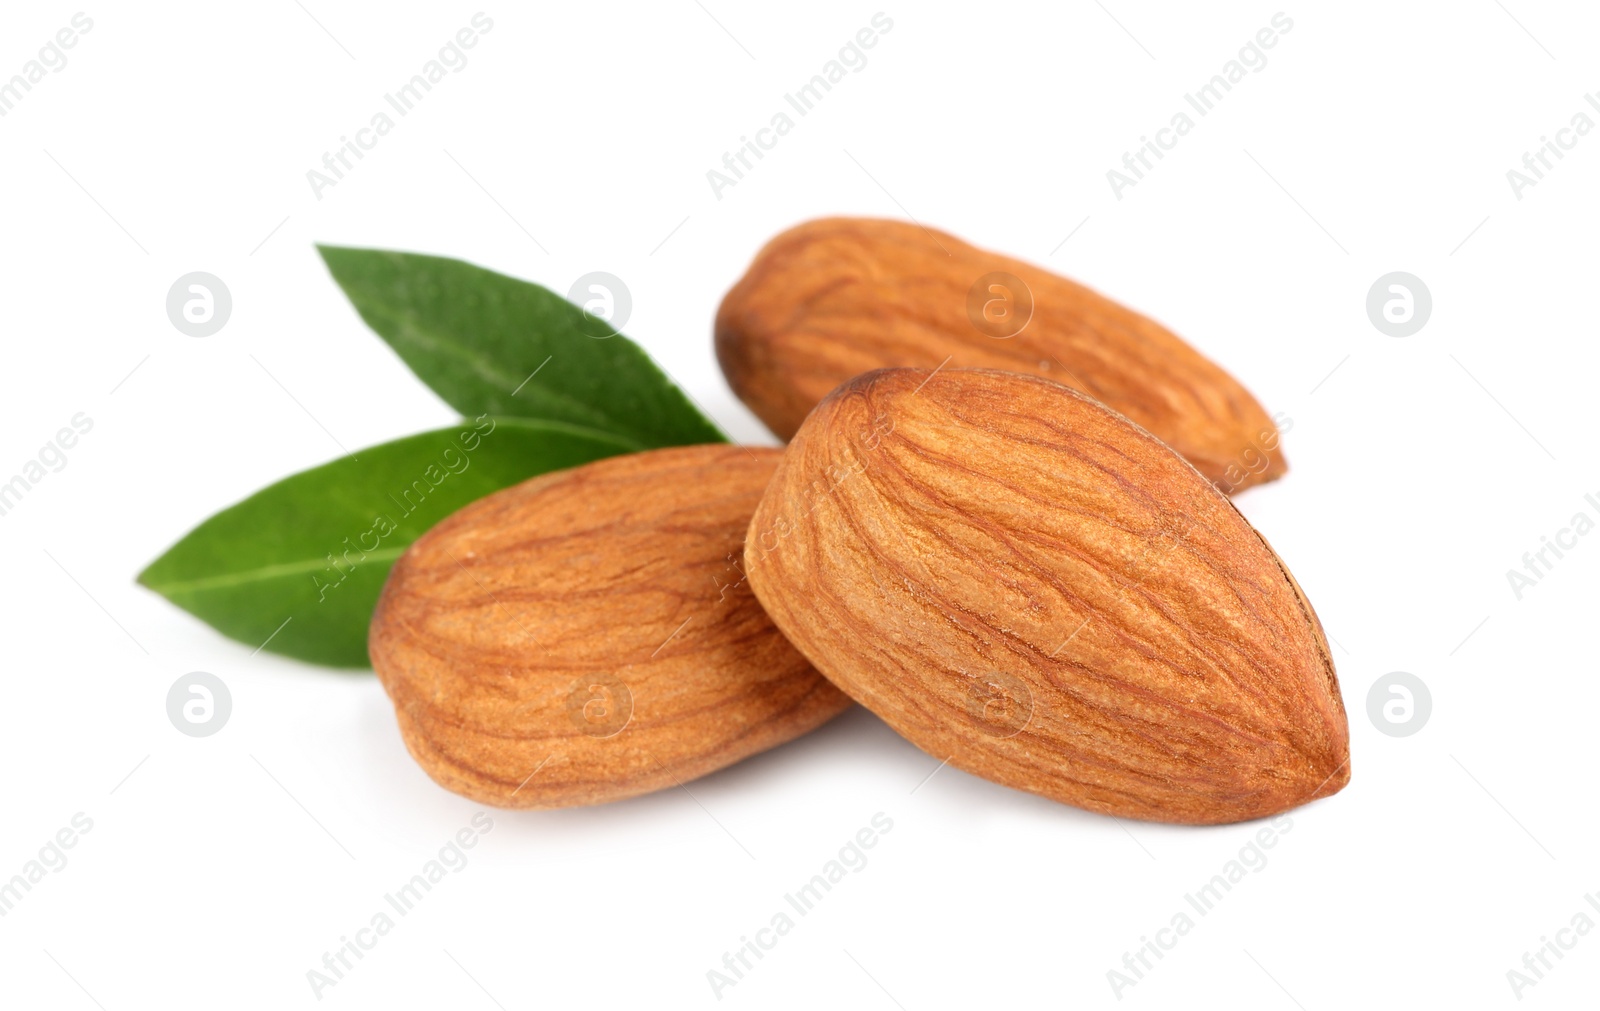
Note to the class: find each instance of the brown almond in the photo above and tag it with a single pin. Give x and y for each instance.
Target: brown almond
(833, 298)
(1019, 580)
(587, 635)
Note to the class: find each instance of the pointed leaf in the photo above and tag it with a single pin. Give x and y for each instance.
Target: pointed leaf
(491, 344)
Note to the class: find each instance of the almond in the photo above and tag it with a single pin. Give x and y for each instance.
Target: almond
(1022, 582)
(587, 635)
(837, 297)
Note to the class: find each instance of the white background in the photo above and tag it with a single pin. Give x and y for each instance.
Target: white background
(1377, 138)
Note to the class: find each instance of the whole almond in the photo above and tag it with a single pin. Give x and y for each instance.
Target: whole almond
(587, 635)
(833, 298)
(1023, 583)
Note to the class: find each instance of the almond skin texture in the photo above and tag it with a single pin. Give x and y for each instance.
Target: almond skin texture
(587, 635)
(1022, 581)
(836, 297)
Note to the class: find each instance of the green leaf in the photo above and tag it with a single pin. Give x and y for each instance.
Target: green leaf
(302, 561)
(491, 344)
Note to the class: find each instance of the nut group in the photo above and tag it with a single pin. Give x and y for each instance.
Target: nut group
(998, 527)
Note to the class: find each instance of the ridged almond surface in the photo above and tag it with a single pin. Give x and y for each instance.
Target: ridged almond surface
(1020, 580)
(587, 635)
(833, 298)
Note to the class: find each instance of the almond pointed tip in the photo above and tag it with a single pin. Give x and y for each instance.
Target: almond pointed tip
(1326, 784)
